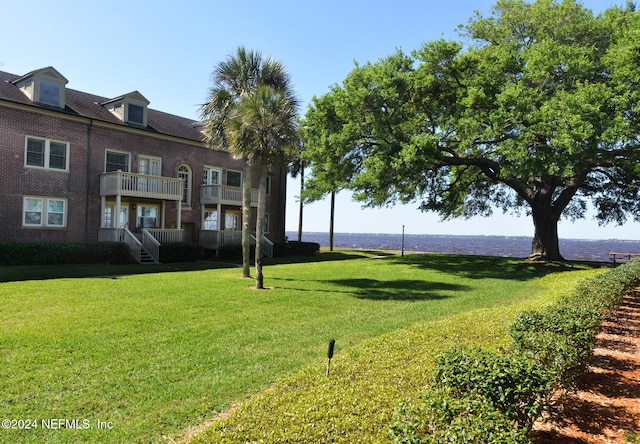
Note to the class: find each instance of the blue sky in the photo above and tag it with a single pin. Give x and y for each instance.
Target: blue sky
(167, 50)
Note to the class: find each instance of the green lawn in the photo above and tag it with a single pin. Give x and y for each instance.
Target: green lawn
(151, 355)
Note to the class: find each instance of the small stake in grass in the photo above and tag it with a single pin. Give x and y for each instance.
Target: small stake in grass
(332, 343)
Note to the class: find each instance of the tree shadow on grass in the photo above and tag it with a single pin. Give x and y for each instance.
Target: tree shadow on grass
(485, 267)
(397, 290)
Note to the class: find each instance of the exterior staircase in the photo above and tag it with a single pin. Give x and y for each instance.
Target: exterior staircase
(146, 258)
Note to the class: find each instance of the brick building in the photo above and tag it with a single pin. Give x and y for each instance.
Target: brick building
(77, 167)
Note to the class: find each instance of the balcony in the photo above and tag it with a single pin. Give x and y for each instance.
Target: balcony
(226, 195)
(141, 185)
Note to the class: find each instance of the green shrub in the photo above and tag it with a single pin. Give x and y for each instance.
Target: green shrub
(281, 249)
(234, 252)
(181, 252)
(604, 292)
(560, 339)
(442, 416)
(632, 437)
(57, 253)
(510, 382)
(303, 248)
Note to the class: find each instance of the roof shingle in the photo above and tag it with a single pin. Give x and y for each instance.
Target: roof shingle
(88, 105)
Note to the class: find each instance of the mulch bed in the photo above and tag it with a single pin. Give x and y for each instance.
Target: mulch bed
(606, 405)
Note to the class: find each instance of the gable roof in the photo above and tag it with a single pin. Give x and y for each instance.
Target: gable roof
(90, 106)
(49, 71)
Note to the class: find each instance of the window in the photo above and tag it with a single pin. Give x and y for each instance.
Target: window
(116, 161)
(108, 216)
(266, 223)
(45, 153)
(211, 176)
(50, 93)
(210, 220)
(232, 220)
(135, 114)
(147, 216)
(44, 212)
(45, 86)
(129, 108)
(184, 173)
(151, 166)
(234, 178)
(268, 185)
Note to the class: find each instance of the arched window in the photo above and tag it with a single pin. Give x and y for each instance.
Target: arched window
(184, 173)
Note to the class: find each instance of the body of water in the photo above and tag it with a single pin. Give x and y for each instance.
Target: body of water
(571, 249)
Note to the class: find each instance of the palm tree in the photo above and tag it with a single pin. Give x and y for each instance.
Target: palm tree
(236, 80)
(267, 121)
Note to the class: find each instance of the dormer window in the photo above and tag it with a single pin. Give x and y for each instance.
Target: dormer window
(135, 113)
(45, 86)
(50, 93)
(130, 108)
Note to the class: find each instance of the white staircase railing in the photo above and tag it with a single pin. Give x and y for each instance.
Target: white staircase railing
(122, 235)
(151, 245)
(267, 246)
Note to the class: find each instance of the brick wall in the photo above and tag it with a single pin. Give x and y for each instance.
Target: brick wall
(82, 190)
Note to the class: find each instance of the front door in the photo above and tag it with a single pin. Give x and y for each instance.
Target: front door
(109, 220)
(232, 220)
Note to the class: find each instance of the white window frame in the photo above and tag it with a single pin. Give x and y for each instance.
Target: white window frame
(47, 153)
(155, 165)
(212, 224)
(139, 216)
(231, 216)
(206, 175)
(106, 154)
(267, 223)
(227, 178)
(187, 176)
(44, 211)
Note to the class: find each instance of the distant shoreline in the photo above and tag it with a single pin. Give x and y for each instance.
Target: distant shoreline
(595, 250)
(293, 235)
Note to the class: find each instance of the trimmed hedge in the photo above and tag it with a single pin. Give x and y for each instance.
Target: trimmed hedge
(181, 252)
(280, 249)
(508, 382)
(303, 248)
(475, 390)
(559, 338)
(234, 252)
(442, 416)
(58, 253)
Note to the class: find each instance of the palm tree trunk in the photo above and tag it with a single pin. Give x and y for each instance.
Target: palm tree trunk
(246, 220)
(262, 201)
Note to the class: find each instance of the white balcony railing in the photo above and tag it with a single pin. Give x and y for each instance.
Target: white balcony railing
(223, 194)
(164, 235)
(141, 185)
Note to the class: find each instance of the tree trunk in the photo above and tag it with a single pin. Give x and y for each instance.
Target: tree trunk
(262, 201)
(545, 243)
(301, 203)
(246, 220)
(333, 209)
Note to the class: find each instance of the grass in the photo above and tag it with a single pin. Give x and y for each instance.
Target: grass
(152, 355)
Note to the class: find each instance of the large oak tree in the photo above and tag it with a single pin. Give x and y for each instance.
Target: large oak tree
(537, 111)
